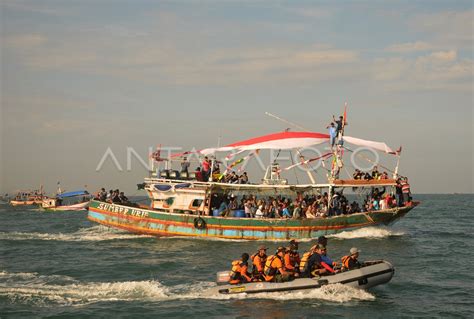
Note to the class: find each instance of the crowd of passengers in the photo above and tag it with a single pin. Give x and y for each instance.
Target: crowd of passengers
(374, 175)
(286, 264)
(36, 195)
(112, 196)
(309, 206)
(208, 166)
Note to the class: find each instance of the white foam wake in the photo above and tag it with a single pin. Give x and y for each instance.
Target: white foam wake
(333, 293)
(32, 288)
(368, 232)
(95, 233)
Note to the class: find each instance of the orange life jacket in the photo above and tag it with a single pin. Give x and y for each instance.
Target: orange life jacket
(292, 260)
(345, 261)
(269, 270)
(236, 269)
(304, 260)
(262, 260)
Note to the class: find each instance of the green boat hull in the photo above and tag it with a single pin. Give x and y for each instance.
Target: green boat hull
(162, 223)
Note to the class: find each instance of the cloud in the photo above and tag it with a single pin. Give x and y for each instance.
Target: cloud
(409, 47)
(447, 28)
(153, 61)
(310, 12)
(25, 41)
(32, 6)
(439, 70)
(442, 56)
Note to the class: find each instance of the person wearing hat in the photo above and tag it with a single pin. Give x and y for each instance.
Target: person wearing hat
(274, 270)
(350, 261)
(239, 271)
(324, 257)
(258, 261)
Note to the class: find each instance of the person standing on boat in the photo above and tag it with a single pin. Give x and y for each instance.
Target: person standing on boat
(185, 165)
(350, 262)
(239, 272)
(258, 261)
(339, 125)
(274, 270)
(405, 190)
(206, 168)
(332, 134)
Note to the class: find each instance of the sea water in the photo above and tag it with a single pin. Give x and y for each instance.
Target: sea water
(59, 264)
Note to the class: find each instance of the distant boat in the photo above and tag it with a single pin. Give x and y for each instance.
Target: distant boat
(70, 201)
(28, 198)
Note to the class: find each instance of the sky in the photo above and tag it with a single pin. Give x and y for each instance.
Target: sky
(79, 78)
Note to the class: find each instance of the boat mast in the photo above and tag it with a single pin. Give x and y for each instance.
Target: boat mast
(395, 174)
(213, 161)
(337, 163)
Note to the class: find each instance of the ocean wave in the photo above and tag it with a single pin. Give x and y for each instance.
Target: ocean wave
(368, 232)
(45, 291)
(95, 233)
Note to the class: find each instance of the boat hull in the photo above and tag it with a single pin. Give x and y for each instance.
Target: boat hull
(75, 207)
(152, 222)
(25, 202)
(364, 278)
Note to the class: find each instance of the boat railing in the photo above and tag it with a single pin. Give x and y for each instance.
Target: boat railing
(335, 183)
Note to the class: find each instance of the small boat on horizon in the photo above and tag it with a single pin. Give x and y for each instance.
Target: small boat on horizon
(28, 198)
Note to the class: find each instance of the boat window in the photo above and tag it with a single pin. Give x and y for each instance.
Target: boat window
(196, 203)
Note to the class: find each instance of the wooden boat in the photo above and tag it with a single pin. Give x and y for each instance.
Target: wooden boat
(182, 204)
(69, 201)
(28, 198)
(161, 223)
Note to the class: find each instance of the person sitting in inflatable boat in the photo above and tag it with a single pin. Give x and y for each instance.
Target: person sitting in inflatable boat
(239, 273)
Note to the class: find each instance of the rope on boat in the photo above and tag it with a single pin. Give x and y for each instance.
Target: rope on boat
(369, 218)
(369, 160)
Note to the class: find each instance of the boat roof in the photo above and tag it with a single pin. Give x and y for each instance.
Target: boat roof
(72, 194)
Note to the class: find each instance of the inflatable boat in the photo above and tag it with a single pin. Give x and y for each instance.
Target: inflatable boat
(372, 273)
